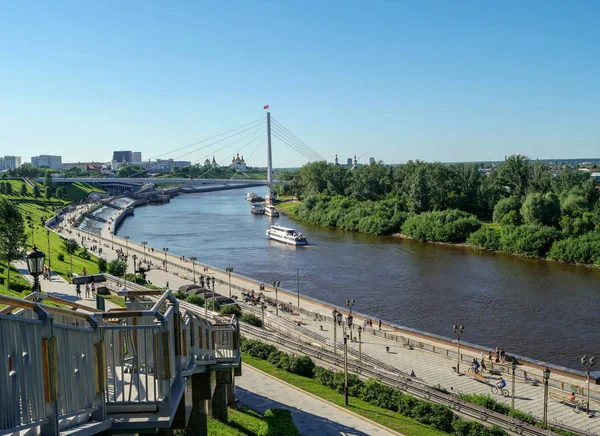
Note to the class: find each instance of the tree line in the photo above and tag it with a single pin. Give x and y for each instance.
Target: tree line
(520, 206)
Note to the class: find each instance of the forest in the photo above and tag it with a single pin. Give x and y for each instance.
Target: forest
(520, 206)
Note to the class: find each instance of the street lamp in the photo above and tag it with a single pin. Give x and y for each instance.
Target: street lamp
(514, 368)
(345, 369)
(166, 250)
(126, 244)
(213, 294)
(112, 240)
(124, 259)
(276, 285)
(349, 320)
(334, 313)
(35, 265)
(359, 344)
(350, 304)
(263, 306)
(458, 329)
(48, 236)
(546, 375)
(588, 363)
(144, 243)
(134, 257)
(193, 259)
(229, 271)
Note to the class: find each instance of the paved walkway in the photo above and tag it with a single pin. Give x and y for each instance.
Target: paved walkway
(432, 368)
(311, 415)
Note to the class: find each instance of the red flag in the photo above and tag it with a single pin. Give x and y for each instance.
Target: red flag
(266, 107)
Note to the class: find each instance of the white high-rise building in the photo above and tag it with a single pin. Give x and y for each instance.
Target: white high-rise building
(136, 157)
(10, 162)
(46, 160)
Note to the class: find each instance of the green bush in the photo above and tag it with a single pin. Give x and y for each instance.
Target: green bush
(444, 226)
(303, 365)
(507, 210)
(486, 238)
(486, 401)
(582, 249)
(251, 319)
(84, 253)
(196, 299)
(231, 309)
(180, 295)
(257, 349)
(278, 422)
(102, 265)
(528, 240)
(522, 416)
(61, 257)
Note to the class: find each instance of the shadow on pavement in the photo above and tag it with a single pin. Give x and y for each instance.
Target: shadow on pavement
(307, 423)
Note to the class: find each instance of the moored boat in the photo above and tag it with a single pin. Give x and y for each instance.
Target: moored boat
(257, 209)
(252, 197)
(271, 211)
(286, 235)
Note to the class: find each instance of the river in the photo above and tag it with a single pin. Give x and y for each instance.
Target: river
(544, 310)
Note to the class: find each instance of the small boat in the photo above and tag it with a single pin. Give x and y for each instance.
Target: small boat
(286, 235)
(257, 209)
(271, 211)
(252, 197)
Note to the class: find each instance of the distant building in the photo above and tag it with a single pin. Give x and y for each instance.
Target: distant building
(163, 165)
(121, 158)
(85, 166)
(136, 157)
(349, 163)
(238, 163)
(596, 176)
(336, 160)
(371, 160)
(10, 162)
(46, 160)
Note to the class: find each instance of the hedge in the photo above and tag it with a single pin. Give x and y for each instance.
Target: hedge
(278, 422)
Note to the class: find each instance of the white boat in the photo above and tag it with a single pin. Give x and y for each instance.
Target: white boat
(271, 211)
(252, 197)
(257, 209)
(286, 235)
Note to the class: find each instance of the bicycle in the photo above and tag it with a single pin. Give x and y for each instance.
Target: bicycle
(472, 370)
(496, 390)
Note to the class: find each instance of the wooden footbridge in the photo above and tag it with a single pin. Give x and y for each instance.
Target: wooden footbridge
(150, 368)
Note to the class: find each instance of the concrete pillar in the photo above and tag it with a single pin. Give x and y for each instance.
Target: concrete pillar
(219, 400)
(201, 394)
(231, 393)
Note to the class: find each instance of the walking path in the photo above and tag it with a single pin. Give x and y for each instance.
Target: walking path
(432, 368)
(313, 416)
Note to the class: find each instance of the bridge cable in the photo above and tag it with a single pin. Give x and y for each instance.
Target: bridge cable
(315, 156)
(230, 144)
(294, 146)
(281, 126)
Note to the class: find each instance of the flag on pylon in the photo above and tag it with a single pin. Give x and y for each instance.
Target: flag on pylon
(266, 107)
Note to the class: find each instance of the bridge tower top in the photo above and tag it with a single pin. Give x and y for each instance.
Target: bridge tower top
(269, 198)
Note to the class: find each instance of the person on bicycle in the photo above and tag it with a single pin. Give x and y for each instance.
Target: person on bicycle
(501, 383)
(475, 365)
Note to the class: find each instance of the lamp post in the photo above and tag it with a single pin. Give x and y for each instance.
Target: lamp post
(201, 280)
(359, 344)
(513, 367)
(546, 375)
(229, 271)
(588, 363)
(345, 369)
(112, 240)
(134, 257)
(166, 250)
(213, 294)
(35, 265)
(263, 307)
(334, 313)
(458, 329)
(124, 259)
(350, 304)
(276, 285)
(126, 245)
(144, 243)
(349, 320)
(193, 259)
(48, 236)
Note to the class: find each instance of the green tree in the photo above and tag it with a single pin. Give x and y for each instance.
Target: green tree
(12, 234)
(36, 192)
(8, 188)
(2, 187)
(70, 246)
(132, 171)
(48, 179)
(102, 264)
(419, 191)
(515, 173)
(541, 209)
(117, 267)
(61, 193)
(48, 192)
(23, 190)
(505, 206)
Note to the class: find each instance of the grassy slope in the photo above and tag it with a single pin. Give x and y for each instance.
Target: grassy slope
(241, 422)
(80, 190)
(387, 418)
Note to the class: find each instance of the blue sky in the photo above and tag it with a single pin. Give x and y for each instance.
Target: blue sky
(430, 80)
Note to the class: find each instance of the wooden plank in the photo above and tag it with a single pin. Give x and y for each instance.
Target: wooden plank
(46, 370)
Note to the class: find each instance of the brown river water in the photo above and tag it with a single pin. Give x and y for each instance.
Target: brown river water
(535, 308)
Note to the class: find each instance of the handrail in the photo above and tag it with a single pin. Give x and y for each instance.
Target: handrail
(42, 310)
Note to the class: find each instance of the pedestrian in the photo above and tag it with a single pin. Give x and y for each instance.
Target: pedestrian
(412, 373)
(379, 324)
(502, 354)
(490, 355)
(483, 368)
(93, 289)
(167, 285)
(87, 290)
(78, 290)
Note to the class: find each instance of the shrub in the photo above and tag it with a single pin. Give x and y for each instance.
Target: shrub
(486, 401)
(278, 422)
(486, 237)
(196, 299)
(251, 319)
(380, 395)
(116, 267)
(522, 416)
(180, 295)
(445, 226)
(257, 349)
(84, 253)
(61, 257)
(528, 240)
(582, 249)
(303, 365)
(504, 207)
(231, 309)
(102, 265)
(274, 357)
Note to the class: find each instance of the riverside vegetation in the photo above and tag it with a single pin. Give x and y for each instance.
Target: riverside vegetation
(520, 207)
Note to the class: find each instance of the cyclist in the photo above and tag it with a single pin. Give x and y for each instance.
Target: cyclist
(501, 383)
(475, 365)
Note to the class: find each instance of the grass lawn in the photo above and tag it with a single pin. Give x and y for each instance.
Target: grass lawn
(119, 301)
(289, 208)
(241, 422)
(387, 418)
(79, 190)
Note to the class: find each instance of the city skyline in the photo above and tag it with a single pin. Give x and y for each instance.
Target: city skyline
(435, 81)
